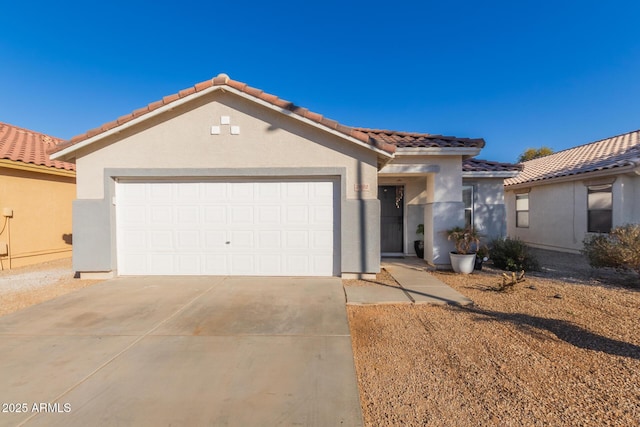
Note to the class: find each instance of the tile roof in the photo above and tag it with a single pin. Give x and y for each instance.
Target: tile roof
(224, 80)
(607, 154)
(477, 165)
(421, 140)
(23, 145)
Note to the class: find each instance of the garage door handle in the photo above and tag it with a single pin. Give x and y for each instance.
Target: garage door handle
(227, 242)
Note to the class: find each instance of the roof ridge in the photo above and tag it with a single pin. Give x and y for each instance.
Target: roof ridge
(30, 131)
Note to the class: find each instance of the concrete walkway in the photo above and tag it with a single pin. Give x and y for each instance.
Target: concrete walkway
(417, 286)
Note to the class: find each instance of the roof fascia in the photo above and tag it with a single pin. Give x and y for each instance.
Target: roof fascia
(29, 167)
(490, 174)
(577, 177)
(439, 151)
(66, 153)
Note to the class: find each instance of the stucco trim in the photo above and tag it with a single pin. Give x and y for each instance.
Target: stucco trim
(10, 164)
(409, 169)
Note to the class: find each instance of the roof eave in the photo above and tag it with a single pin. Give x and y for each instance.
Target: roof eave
(30, 167)
(439, 151)
(575, 177)
(490, 174)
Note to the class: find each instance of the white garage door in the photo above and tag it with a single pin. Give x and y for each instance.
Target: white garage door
(225, 228)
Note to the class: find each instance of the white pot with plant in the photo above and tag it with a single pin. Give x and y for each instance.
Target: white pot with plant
(465, 240)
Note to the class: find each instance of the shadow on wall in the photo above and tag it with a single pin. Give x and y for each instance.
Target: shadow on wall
(566, 331)
(68, 238)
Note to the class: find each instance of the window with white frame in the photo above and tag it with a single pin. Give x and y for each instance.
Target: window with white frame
(599, 208)
(522, 210)
(467, 198)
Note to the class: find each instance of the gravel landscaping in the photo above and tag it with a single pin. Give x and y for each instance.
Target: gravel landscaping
(562, 348)
(26, 286)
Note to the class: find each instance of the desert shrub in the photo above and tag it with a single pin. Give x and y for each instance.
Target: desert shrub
(618, 249)
(512, 255)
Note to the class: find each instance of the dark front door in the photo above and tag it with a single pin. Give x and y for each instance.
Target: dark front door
(392, 213)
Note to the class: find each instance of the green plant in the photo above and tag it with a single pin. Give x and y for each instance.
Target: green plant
(619, 249)
(464, 239)
(512, 255)
(420, 230)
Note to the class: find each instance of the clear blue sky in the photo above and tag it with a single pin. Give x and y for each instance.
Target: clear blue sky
(517, 73)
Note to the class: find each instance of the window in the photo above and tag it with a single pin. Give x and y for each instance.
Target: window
(522, 210)
(599, 208)
(467, 198)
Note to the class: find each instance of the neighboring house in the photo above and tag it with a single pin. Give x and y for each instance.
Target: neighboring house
(222, 178)
(36, 194)
(559, 199)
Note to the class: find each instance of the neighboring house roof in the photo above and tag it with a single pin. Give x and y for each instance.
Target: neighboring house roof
(420, 140)
(611, 154)
(29, 147)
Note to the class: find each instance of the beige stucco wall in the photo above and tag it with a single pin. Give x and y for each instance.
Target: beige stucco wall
(268, 139)
(558, 212)
(40, 229)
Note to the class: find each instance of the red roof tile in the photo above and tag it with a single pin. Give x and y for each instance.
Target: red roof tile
(477, 165)
(421, 140)
(607, 154)
(23, 145)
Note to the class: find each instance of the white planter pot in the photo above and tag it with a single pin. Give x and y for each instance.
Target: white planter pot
(462, 263)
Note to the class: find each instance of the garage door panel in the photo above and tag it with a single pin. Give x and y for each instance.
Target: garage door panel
(215, 264)
(161, 264)
(215, 215)
(188, 264)
(296, 239)
(188, 240)
(188, 215)
(161, 192)
(160, 240)
(242, 265)
(221, 228)
(269, 239)
(161, 215)
(297, 214)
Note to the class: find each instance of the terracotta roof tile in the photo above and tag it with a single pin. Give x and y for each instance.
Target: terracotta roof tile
(421, 140)
(224, 80)
(611, 153)
(383, 139)
(23, 145)
(478, 165)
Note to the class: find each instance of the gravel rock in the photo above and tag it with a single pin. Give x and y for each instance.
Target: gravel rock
(513, 358)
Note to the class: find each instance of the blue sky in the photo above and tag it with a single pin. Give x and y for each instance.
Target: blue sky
(517, 73)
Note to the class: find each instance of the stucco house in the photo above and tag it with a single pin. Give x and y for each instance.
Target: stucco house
(36, 194)
(559, 199)
(223, 178)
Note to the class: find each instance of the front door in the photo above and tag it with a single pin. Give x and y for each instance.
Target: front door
(391, 218)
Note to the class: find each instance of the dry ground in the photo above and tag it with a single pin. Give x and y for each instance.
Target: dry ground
(26, 286)
(547, 353)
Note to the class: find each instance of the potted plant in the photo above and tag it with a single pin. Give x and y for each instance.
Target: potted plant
(481, 256)
(418, 245)
(465, 239)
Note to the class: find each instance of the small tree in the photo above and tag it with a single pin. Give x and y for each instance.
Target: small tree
(619, 249)
(534, 153)
(464, 239)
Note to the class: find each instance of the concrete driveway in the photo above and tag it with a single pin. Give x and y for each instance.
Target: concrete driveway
(184, 351)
